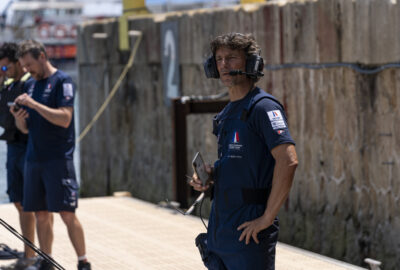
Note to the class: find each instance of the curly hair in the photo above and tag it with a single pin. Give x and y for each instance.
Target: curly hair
(31, 46)
(236, 41)
(9, 50)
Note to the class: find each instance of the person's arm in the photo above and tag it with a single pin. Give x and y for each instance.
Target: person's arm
(285, 165)
(60, 116)
(2, 79)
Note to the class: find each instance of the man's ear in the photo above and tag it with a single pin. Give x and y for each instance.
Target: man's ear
(42, 57)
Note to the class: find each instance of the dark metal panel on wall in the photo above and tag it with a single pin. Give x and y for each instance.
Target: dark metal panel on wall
(180, 110)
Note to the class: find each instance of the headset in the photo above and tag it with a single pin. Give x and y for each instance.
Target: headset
(254, 67)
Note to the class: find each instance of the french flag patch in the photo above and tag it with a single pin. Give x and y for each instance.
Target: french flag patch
(236, 137)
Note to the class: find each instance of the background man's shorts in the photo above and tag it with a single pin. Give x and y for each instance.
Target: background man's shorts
(51, 186)
(15, 171)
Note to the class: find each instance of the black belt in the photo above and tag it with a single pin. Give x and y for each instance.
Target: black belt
(249, 195)
(255, 195)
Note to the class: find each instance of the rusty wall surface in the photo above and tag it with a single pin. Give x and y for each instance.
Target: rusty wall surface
(345, 199)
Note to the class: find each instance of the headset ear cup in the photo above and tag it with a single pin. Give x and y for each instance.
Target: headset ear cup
(254, 66)
(210, 68)
(249, 64)
(261, 65)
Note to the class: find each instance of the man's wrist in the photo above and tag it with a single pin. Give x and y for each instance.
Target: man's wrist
(267, 219)
(34, 105)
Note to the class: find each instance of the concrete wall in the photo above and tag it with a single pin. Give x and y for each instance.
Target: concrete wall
(345, 199)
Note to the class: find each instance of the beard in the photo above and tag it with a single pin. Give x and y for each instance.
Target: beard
(37, 75)
(233, 80)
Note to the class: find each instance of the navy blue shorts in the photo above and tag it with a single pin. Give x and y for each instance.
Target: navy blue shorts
(15, 171)
(255, 257)
(50, 186)
(244, 260)
(259, 260)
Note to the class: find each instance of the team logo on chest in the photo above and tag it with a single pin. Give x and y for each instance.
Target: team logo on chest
(47, 91)
(235, 146)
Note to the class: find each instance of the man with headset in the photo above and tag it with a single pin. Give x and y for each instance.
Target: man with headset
(256, 162)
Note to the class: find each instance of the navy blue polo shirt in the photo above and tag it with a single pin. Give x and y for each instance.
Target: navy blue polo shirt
(29, 83)
(9, 94)
(46, 140)
(247, 130)
(269, 120)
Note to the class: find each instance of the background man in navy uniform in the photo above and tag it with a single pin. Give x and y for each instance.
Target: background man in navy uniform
(16, 144)
(3, 76)
(256, 161)
(51, 184)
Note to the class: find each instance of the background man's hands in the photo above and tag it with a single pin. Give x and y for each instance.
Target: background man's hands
(25, 100)
(20, 114)
(20, 118)
(196, 183)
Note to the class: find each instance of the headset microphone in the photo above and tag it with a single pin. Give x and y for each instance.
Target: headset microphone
(254, 67)
(252, 75)
(237, 72)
